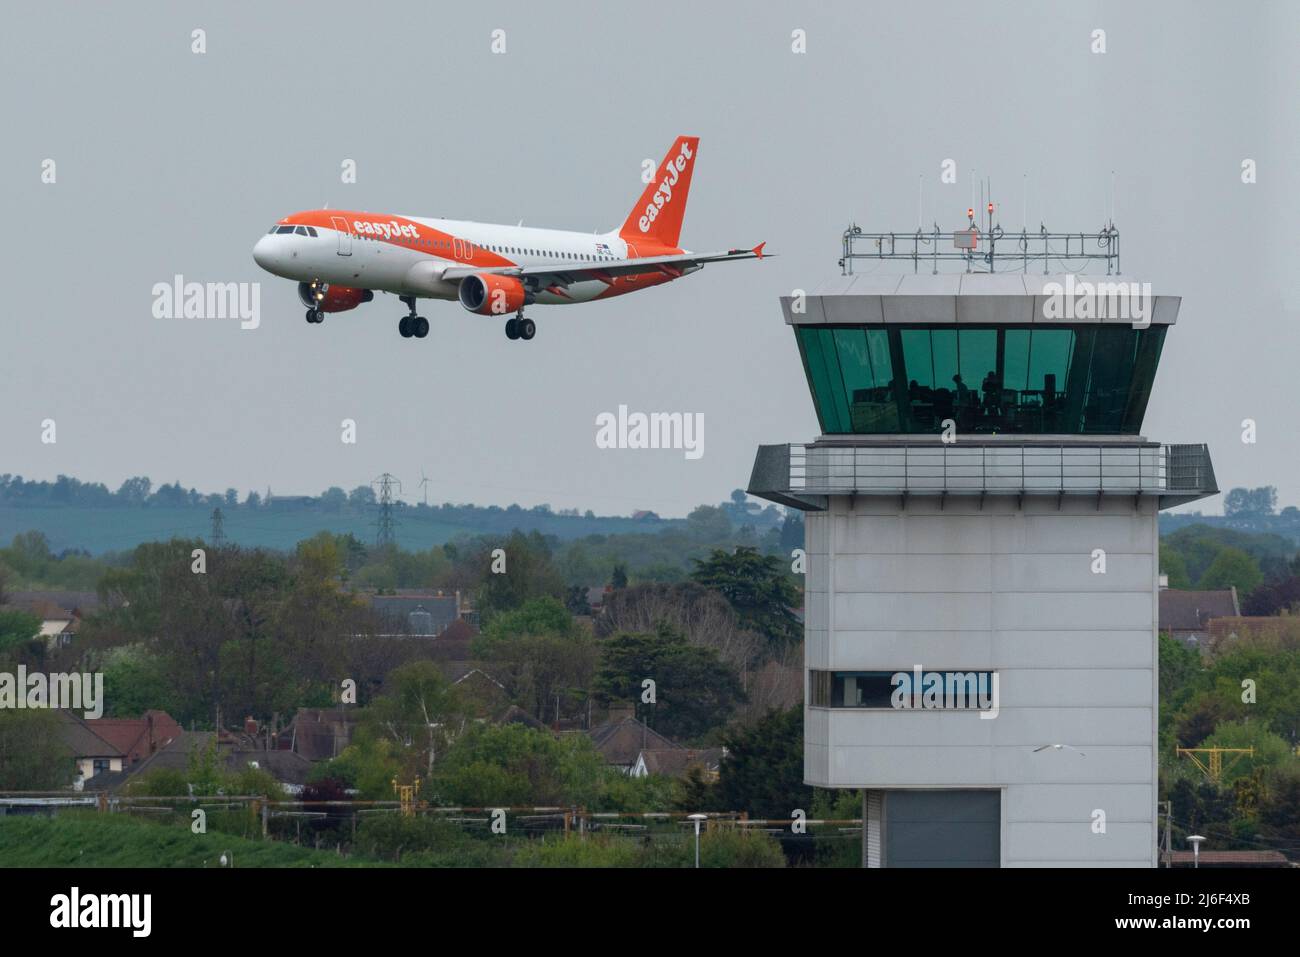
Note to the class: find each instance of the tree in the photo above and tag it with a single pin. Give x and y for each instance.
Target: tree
(701, 614)
(575, 600)
(510, 764)
(757, 588)
(16, 629)
(1274, 598)
(134, 491)
(708, 523)
(1271, 750)
(420, 712)
(1250, 502)
(1174, 568)
(540, 655)
(763, 770)
(363, 496)
(618, 578)
(32, 754)
(694, 690)
(1232, 568)
(792, 532)
(528, 573)
(333, 499)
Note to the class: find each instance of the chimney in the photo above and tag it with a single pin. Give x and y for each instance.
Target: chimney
(621, 711)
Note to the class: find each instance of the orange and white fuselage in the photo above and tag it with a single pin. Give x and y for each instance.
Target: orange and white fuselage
(341, 257)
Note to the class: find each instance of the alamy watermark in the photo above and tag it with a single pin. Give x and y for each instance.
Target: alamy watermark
(76, 691)
(208, 300)
(653, 430)
(1083, 299)
(946, 690)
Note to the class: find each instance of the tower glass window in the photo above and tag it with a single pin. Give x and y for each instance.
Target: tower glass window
(1066, 379)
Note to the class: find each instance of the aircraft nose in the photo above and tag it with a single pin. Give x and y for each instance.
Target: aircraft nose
(264, 252)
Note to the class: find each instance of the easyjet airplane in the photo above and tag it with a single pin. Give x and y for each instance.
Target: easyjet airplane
(340, 258)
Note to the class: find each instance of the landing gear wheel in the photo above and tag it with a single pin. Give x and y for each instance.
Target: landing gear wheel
(512, 329)
(420, 327)
(527, 329)
(404, 327)
(312, 316)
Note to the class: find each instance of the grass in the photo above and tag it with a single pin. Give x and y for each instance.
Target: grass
(77, 839)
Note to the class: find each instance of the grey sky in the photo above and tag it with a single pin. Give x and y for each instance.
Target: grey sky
(170, 162)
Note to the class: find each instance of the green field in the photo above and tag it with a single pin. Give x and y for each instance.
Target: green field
(100, 530)
(75, 839)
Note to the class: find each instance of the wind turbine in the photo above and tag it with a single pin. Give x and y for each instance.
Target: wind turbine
(424, 484)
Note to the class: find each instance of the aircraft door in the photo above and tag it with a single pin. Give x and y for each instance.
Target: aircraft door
(345, 235)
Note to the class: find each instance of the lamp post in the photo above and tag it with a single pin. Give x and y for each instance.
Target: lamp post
(698, 819)
(1195, 840)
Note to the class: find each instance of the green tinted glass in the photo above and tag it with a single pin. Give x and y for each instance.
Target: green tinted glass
(1085, 379)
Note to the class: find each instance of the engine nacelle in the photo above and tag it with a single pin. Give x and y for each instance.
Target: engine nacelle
(331, 297)
(488, 294)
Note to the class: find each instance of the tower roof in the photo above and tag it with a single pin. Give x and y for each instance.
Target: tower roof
(997, 299)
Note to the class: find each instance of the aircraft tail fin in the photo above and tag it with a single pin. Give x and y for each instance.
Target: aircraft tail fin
(657, 215)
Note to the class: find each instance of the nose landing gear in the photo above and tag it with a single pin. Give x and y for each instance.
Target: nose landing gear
(315, 315)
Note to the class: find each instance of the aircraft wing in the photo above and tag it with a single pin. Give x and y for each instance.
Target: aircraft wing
(570, 272)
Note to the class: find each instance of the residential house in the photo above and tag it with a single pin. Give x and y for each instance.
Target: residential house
(101, 745)
(319, 734)
(675, 762)
(1187, 614)
(621, 740)
(1273, 633)
(59, 610)
(417, 614)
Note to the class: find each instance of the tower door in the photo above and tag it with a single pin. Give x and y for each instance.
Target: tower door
(943, 828)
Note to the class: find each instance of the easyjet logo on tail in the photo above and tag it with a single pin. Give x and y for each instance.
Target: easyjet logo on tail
(664, 194)
(658, 213)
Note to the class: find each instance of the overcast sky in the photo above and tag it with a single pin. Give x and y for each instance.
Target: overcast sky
(172, 162)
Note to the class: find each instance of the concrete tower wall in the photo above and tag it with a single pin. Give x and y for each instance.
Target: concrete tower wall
(1007, 587)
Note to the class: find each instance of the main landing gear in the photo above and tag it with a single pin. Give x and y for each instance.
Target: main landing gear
(412, 325)
(520, 328)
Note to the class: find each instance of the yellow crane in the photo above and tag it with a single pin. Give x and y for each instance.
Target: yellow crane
(1214, 770)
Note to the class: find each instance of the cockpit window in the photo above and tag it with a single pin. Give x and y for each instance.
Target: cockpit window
(301, 230)
(311, 231)
(272, 230)
(284, 229)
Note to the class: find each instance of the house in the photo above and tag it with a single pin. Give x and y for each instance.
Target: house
(1187, 614)
(234, 752)
(417, 614)
(483, 694)
(596, 597)
(101, 745)
(1276, 633)
(60, 612)
(675, 762)
(319, 734)
(621, 741)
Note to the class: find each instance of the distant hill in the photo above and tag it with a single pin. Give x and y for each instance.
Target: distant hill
(1286, 524)
(115, 529)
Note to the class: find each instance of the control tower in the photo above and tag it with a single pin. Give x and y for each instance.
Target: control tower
(982, 545)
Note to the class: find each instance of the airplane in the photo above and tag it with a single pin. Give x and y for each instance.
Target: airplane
(340, 258)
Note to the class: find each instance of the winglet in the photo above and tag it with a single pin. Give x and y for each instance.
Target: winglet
(758, 250)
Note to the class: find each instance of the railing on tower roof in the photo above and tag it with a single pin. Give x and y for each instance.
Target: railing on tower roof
(989, 250)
